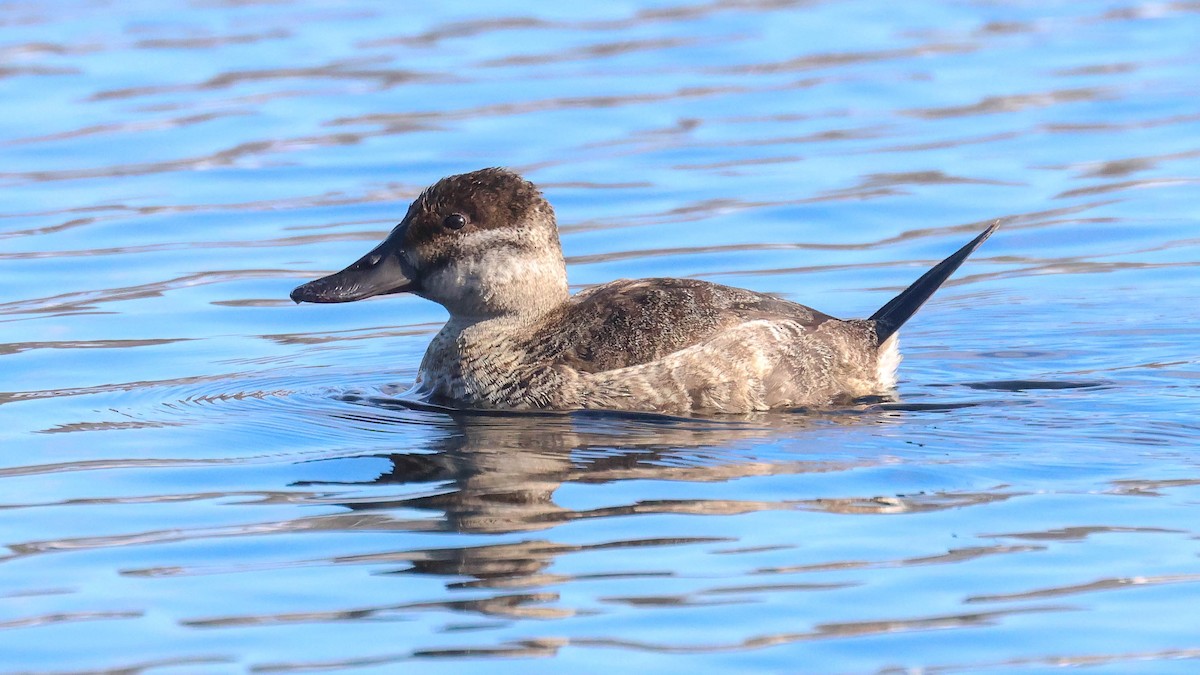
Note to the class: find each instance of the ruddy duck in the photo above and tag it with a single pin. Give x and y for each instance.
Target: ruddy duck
(485, 246)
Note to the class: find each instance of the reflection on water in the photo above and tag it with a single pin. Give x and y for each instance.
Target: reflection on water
(498, 474)
(199, 475)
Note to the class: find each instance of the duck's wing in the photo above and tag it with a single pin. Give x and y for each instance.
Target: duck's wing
(631, 322)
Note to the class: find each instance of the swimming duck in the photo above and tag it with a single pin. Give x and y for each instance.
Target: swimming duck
(485, 246)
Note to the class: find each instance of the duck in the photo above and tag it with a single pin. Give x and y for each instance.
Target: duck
(485, 246)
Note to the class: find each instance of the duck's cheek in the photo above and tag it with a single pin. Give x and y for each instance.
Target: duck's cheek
(497, 283)
(452, 284)
(474, 288)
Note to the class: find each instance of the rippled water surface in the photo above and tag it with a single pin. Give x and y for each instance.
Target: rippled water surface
(197, 475)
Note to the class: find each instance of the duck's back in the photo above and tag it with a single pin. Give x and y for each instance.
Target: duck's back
(679, 345)
(632, 322)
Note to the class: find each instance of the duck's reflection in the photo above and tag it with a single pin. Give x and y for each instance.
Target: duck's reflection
(499, 472)
(498, 478)
(495, 474)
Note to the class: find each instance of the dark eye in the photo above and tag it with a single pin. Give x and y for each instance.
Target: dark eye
(455, 221)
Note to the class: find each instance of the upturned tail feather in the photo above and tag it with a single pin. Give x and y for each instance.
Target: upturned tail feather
(900, 309)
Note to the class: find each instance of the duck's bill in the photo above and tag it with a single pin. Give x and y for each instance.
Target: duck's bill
(379, 272)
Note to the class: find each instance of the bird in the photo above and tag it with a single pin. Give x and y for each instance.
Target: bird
(485, 246)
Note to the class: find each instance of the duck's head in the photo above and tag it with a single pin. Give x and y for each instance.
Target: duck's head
(481, 244)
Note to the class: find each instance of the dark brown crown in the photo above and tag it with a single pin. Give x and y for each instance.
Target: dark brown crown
(489, 198)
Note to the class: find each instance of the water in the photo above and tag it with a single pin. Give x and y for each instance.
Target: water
(197, 475)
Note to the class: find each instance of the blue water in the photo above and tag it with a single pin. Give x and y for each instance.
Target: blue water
(197, 475)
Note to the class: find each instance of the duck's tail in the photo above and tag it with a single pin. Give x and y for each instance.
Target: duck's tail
(899, 309)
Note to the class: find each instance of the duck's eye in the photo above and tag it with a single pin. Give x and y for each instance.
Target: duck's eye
(454, 221)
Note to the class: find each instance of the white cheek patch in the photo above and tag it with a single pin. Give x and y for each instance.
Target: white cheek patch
(454, 282)
(498, 272)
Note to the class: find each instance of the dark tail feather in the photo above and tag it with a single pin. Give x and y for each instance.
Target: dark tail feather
(899, 309)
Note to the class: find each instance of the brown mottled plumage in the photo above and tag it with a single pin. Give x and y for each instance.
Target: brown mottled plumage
(485, 246)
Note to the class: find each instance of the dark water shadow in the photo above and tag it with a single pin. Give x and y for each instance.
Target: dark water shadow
(1036, 385)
